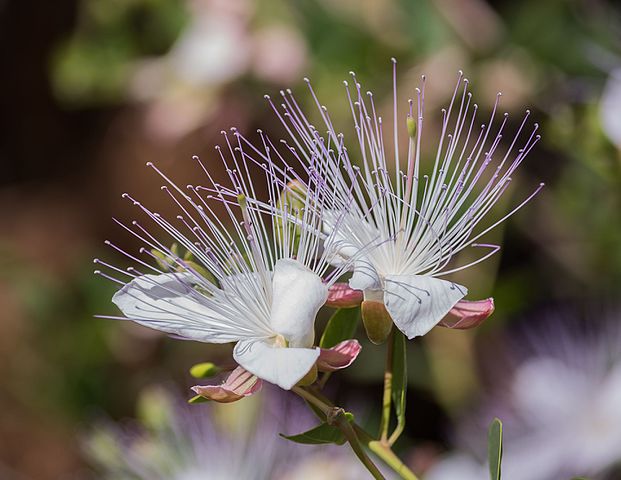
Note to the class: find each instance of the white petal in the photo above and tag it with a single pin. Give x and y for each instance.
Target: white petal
(168, 303)
(279, 365)
(298, 294)
(417, 303)
(365, 276)
(340, 250)
(348, 234)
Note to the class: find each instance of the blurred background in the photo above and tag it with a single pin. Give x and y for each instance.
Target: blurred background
(92, 90)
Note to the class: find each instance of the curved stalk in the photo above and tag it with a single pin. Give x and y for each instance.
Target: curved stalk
(359, 438)
(387, 398)
(336, 416)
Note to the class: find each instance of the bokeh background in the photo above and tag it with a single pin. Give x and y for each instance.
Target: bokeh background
(91, 90)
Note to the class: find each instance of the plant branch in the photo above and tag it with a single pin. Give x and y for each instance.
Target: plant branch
(336, 416)
(361, 437)
(387, 399)
(385, 453)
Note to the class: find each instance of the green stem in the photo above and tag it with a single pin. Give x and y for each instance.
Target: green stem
(381, 450)
(324, 379)
(387, 399)
(396, 433)
(385, 453)
(312, 398)
(336, 416)
(349, 433)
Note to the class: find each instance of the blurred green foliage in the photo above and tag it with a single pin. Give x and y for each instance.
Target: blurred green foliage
(94, 64)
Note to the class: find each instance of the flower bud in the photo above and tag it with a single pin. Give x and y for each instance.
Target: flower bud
(205, 370)
(377, 321)
(291, 200)
(411, 127)
(468, 314)
(341, 295)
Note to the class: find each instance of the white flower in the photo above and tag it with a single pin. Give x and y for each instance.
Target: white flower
(565, 414)
(421, 221)
(245, 285)
(458, 466)
(610, 105)
(171, 440)
(557, 391)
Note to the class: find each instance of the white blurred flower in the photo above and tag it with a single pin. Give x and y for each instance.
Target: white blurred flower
(176, 441)
(561, 406)
(279, 54)
(610, 107)
(327, 464)
(457, 467)
(215, 48)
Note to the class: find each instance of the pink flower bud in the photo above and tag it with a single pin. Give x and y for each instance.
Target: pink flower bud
(239, 384)
(341, 295)
(340, 356)
(468, 314)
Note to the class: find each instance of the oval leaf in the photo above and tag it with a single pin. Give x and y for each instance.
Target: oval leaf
(321, 434)
(494, 448)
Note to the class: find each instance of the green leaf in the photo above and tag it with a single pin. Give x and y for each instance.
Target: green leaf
(341, 326)
(320, 435)
(494, 448)
(197, 399)
(399, 379)
(204, 370)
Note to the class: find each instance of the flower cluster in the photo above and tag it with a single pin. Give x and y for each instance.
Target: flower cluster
(259, 266)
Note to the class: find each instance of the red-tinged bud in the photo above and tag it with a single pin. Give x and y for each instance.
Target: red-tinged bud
(342, 355)
(341, 295)
(239, 384)
(468, 314)
(377, 321)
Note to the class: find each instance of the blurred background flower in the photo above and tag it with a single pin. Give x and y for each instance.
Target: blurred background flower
(171, 440)
(93, 90)
(555, 380)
